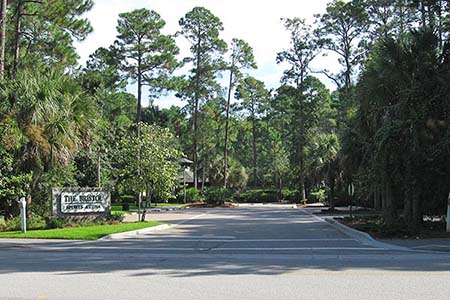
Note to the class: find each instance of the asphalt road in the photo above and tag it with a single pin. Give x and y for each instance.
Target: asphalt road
(253, 252)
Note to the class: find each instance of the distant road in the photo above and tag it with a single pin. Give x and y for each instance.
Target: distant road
(252, 252)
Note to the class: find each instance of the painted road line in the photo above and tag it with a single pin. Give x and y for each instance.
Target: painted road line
(190, 219)
(183, 239)
(189, 238)
(225, 249)
(431, 246)
(299, 248)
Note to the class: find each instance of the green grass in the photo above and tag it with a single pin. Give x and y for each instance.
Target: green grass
(79, 233)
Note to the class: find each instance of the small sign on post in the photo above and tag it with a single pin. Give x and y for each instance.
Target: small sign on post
(23, 214)
(448, 213)
(351, 193)
(351, 189)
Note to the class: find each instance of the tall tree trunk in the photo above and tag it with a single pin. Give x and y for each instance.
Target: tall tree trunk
(401, 13)
(205, 163)
(17, 35)
(138, 124)
(377, 199)
(423, 14)
(440, 29)
(3, 38)
(417, 217)
(227, 116)
(301, 144)
(280, 188)
(409, 190)
(388, 202)
(255, 177)
(195, 122)
(139, 92)
(331, 186)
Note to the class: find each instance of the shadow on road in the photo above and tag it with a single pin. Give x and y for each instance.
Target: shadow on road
(180, 257)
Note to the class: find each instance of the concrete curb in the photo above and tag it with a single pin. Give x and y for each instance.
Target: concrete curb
(134, 233)
(363, 237)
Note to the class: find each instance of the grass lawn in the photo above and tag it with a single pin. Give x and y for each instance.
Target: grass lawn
(79, 233)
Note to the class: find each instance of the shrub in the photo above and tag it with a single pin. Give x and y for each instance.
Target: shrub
(56, 222)
(319, 195)
(126, 206)
(13, 224)
(116, 218)
(36, 222)
(2, 224)
(264, 196)
(215, 195)
(127, 198)
(267, 196)
(192, 195)
(290, 195)
(237, 177)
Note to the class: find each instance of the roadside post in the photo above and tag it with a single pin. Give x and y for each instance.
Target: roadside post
(23, 214)
(448, 213)
(351, 192)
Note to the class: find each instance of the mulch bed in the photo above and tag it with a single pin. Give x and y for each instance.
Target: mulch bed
(374, 226)
(206, 205)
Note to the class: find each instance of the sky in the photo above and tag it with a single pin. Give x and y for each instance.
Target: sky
(256, 22)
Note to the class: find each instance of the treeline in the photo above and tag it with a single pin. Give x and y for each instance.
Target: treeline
(384, 129)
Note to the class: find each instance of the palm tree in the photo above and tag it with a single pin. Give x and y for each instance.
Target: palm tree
(54, 116)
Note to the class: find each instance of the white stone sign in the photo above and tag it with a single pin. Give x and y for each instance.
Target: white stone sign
(83, 202)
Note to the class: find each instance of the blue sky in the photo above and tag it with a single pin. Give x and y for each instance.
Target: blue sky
(257, 22)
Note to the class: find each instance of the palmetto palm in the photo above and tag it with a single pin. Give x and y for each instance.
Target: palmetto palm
(53, 115)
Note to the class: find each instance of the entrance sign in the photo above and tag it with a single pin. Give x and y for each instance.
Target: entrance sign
(81, 203)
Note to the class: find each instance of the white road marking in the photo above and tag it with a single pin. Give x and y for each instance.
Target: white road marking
(427, 246)
(190, 219)
(299, 248)
(188, 239)
(229, 249)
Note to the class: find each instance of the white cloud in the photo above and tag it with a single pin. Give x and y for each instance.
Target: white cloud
(257, 22)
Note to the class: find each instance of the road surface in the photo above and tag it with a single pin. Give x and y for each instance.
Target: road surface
(252, 252)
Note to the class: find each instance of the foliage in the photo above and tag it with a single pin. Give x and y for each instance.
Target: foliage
(253, 196)
(148, 163)
(218, 195)
(192, 195)
(86, 166)
(13, 184)
(33, 222)
(147, 55)
(56, 223)
(201, 29)
(384, 128)
(319, 195)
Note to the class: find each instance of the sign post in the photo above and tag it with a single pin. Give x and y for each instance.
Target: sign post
(448, 213)
(23, 214)
(351, 192)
